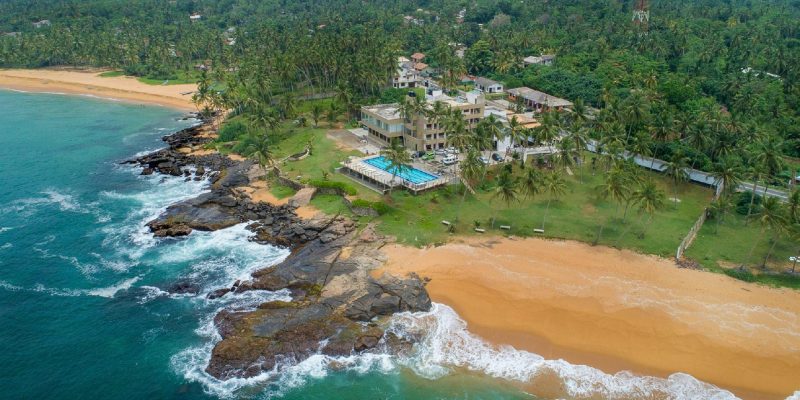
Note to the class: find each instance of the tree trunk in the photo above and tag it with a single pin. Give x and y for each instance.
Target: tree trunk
(752, 248)
(599, 234)
(769, 253)
(545, 212)
(752, 200)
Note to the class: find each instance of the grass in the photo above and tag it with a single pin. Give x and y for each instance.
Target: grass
(282, 191)
(730, 246)
(578, 215)
(182, 78)
(321, 164)
(330, 204)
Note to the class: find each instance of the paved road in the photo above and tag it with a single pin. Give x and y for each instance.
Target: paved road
(695, 175)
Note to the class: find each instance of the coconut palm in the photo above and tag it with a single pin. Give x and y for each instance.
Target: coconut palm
(260, 150)
(565, 158)
(555, 186)
(649, 198)
(507, 189)
(719, 208)
(532, 182)
(316, 114)
(793, 206)
(676, 170)
(771, 217)
(615, 186)
(398, 158)
(727, 174)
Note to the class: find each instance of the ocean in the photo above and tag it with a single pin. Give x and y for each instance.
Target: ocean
(82, 302)
(85, 313)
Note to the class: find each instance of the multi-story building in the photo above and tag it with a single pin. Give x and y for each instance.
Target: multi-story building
(385, 123)
(407, 75)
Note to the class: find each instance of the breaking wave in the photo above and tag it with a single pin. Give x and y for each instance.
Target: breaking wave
(444, 346)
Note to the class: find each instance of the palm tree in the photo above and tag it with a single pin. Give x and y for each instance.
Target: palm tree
(260, 150)
(649, 198)
(771, 217)
(506, 189)
(549, 130)
(719, 208)
(676, 170)
(793, 206)
(727, 175)
(398, 158)
(532, 182)
(316, 114)
(555, 186)
(615, 186)
(565, 157)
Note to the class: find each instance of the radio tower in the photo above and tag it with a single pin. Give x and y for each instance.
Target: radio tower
(641, 14)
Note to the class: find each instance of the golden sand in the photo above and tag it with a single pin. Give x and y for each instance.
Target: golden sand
(83, 82)
(616, 310)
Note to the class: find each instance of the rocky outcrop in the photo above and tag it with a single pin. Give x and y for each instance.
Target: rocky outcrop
(335, 302)
(336, 307)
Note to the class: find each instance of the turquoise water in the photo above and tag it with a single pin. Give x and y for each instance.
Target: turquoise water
(82, 310)
(410, 174)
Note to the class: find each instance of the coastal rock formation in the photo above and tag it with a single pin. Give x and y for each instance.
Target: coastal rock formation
(335, 302)
(336, 307)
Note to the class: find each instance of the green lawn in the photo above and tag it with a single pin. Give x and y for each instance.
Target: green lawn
(578, 215)
(281, 191)
(730, 247)
(182, 78)
(325, 157)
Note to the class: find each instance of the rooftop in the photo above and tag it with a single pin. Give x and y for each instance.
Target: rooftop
(485, 81)
(539, 97)
(418, 56)
(387, 111)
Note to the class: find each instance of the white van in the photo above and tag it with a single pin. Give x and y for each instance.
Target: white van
(450, 159)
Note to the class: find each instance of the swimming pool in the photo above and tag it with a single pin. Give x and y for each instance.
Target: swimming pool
(410, 174)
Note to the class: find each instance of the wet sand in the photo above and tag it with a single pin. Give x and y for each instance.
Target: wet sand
(616, 310)
(91, 83)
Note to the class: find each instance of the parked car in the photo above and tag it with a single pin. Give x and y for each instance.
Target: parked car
(440, 152)
(484, 160)
(453, 150)
(429, 156)
(450, 160)
(497, 157)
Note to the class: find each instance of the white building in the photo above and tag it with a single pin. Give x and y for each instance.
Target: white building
(488, 86)
(544, 59)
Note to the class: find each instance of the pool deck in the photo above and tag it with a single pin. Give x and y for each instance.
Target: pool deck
(381, 180)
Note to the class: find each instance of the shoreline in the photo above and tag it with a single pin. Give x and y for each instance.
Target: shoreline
(90, 83)
(615, 310)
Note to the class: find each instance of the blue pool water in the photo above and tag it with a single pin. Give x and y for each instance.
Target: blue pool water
(410, 174)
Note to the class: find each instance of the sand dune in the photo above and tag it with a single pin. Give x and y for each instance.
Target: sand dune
(91, 83)
(616, 310)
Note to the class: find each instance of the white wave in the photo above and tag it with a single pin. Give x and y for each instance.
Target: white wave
(4, 229)
(131, 236)
(107, 292)
(110, 291)
(6, 246)
(794, 396)
(227, 255)
(191, 362)
(446, 344)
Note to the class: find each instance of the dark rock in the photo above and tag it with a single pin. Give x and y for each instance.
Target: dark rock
(365, 343)
(218, 293)
(184, 287)
(147, 171)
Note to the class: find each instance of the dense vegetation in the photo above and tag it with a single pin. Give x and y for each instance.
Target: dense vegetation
(710, 84)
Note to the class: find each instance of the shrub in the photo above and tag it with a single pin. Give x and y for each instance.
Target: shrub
(743, 203)
(343, 187)
(741, 274)
(379, 206)
(232, 130)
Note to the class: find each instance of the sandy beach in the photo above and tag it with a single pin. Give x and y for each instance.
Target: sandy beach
(91, 83)
(616, 310)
